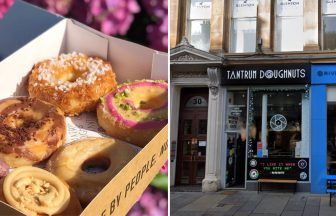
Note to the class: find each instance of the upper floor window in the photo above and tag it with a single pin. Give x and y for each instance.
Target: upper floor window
(199, 23)
(329, 24)
(243, 26)
(289, 25)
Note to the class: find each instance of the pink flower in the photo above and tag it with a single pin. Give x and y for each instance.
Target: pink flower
(157, 33)
(114, 16)
(4, 6)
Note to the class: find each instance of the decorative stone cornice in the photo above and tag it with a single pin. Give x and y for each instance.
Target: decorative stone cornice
(188, 74)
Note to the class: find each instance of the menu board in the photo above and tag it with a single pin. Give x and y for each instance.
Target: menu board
(278, 168)
(235, 112)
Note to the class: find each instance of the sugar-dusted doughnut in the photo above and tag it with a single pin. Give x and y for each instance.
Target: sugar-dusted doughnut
(135, 112)
(74, 81)
(30, 130)
(35, 191)
(88, 165)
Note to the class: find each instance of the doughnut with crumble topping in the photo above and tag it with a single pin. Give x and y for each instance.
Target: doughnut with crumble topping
(74, 82)
(135, 112)
(30, 130)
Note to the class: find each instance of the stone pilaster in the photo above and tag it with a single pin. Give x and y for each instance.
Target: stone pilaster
(211, 181)
(264, 23)
(311, 25)
(217, 28)
(174, 22)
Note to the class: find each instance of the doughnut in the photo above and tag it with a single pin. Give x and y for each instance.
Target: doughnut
(30, 130)
(88, 165)
(135, 112)
(74, 82)
(35, 191)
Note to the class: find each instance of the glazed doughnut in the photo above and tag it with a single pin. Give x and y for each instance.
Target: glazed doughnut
(88, 165)
(35, 191)
(74, 82)
(30, 130)
(135, 112)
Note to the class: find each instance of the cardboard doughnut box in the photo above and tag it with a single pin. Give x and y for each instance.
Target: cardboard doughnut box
(129, 61)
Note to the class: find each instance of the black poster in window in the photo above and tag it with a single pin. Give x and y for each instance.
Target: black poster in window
(266, 74)
(278, 168)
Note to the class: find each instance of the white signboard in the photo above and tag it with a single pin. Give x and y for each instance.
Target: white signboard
(289, 7)
(200, 9)
(329, 6)
(244, 8)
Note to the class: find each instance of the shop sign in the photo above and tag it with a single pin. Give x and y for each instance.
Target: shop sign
(323, 74)
(289, 7)
(278, 168)
(266, 74)
(234, 115)
(329, 6)
(244, 8)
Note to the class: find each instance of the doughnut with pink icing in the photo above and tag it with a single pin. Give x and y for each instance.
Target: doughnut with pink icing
(135, 112)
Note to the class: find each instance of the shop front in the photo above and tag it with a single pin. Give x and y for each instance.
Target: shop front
(267, 124)
(323, 100)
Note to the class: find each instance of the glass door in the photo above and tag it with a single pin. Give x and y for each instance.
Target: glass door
(331, 138)
(235, 130)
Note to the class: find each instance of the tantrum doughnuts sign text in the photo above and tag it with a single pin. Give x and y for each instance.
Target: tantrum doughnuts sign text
(266, 74)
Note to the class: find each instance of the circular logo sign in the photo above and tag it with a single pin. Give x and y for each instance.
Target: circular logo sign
(269, 74)
(254, 174)
(230, 161)
(278, 122)
(303, 176)
(253, 163)
(302, 164)
(320, 73)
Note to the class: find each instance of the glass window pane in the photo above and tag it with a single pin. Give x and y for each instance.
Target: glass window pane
(243, 8)
(329, 6)
(202, 126)
(284, 123)
(289, 8)
(283, 134)
(187, 128)
(200, 9)
(243, 38)
(331, 136)
(329, 32)
(200, 34)
(289, 34)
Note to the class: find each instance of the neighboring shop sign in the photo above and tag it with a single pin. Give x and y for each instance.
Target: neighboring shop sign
(278, 168)
(323, 74)
(266, 74)
(289, 7)
(244, 8)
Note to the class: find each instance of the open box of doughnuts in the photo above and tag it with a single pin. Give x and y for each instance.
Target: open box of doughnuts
(90, 146)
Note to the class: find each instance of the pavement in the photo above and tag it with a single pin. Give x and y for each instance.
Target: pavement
(250, 203)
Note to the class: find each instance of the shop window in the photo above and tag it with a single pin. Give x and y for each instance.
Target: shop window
(243, 26)
(278, 124)
(331, 138)
(329, 24)
(199, 24)
(289, 25)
